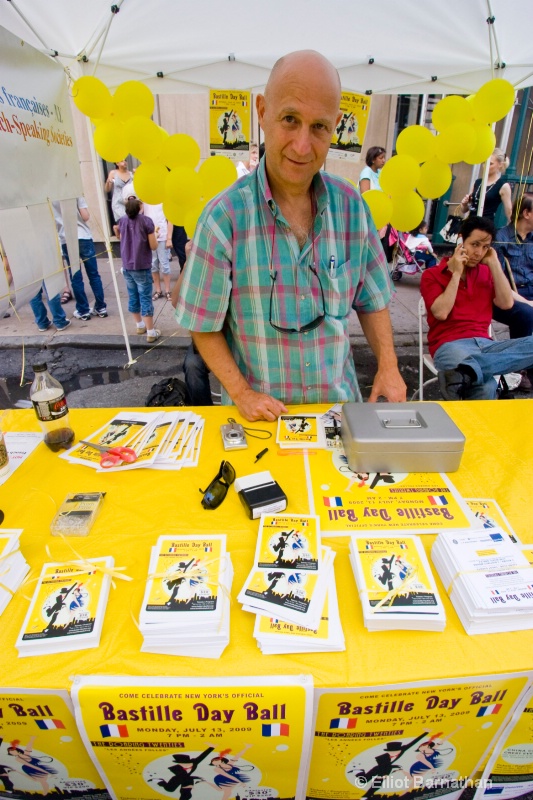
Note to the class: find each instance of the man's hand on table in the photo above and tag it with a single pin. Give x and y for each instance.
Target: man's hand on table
(390, 384)
(254, 405)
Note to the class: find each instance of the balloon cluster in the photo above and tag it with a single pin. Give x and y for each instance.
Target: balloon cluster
(422, 167)
(168, 172)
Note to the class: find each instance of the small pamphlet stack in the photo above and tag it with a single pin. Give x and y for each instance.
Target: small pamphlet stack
(13, 566)
(292, 587)
(67, 608)
(488, 577)
(186, 604)
(395, 583)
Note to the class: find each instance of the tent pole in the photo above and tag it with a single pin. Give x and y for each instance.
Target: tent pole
(103, 214)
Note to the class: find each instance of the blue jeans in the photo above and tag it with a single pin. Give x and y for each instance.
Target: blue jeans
(88, 257)
(486, 358)
(197, 378)
(160, 262)
(39, 310)
(519, 318)
(139, 284)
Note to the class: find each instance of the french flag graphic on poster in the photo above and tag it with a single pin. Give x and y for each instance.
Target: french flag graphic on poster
(277, 729)
(369, 546)
(484, 711)
(208, 549)
(49, 724)
(332, 502)
(437, 500)
(115, 731)
(344, 722)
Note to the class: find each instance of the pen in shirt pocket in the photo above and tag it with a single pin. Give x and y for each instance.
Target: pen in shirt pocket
(332, 268)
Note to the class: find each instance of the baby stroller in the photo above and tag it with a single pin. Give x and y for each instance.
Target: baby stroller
(404, 261)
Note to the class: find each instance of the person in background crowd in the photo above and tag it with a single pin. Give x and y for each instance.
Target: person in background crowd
(279, 258)
(420, 246)
(251, 164)
(116, 181)
(160, 257)
(137, 239)
(369, 178)
(459, 294)
(514, 242)
(498, 190)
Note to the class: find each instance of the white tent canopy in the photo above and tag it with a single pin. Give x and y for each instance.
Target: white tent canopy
(385, 46)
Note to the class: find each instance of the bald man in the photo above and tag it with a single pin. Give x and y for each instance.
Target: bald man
(279, 259)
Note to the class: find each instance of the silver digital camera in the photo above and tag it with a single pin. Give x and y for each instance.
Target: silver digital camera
(233, 436)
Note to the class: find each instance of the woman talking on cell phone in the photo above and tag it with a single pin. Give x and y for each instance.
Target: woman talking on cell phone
(498, 190)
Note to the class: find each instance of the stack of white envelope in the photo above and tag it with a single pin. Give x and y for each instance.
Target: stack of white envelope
(186, 605)
(488, 577)
(396, 586)
(13, 566)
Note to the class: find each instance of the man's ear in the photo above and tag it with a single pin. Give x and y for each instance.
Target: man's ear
(260, 108)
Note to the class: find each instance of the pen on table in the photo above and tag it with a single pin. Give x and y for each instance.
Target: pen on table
(261, 454)
(332, 266)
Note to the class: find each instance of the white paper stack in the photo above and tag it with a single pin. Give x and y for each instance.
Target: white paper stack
(161, 440)
(395, 583)
(489, 579)
(291, 576)
(13, 566)
(276, 637)
(186, 605)
(67, 608)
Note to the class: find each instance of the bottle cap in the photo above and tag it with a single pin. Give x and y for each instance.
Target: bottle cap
(40, 367)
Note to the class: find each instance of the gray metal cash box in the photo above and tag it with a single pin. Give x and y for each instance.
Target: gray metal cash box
(400, 437)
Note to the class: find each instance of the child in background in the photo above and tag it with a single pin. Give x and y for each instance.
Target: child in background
(137, 240)
(160, 256)
(420, 246)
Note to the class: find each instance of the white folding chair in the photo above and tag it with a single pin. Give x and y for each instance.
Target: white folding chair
(424, 359)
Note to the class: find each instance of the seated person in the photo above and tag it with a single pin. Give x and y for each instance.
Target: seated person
(514, 242)
(420, 246)
(458, 295)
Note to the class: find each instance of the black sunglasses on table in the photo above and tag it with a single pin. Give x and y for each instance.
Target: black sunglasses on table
(218, 488)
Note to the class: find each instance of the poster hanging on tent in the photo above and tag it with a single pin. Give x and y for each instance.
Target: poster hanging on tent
(349, 135)
(229, 123)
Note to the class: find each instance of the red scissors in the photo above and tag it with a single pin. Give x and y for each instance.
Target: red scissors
(112, 456)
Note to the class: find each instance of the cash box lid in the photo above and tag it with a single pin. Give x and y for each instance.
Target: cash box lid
(400, 428)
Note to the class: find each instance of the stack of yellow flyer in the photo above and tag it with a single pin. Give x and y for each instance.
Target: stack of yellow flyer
(291, 571)
(13, 566)
(301, 430)
(161, 440)
(395, 583)
(276, 637)
(67, 609)
(186, 604)
(489, 579)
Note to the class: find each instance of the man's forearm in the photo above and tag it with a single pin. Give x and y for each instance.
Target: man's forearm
(377, 329)
(214, 350)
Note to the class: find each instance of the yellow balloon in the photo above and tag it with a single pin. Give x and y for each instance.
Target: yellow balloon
(217, 173)
(416, 141)
(449, 111)
(493, 101)
(149, 181)
(380, 206)
(181, 150)
(110, 141)
(183, 187)
(164, 133)
(191, 218)
(133, 99)
(175, 213)
(144, 138)
(435, 178)
(407, 211)
(399, 175)
(456, 142)
(484, 146)
(92, 97)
